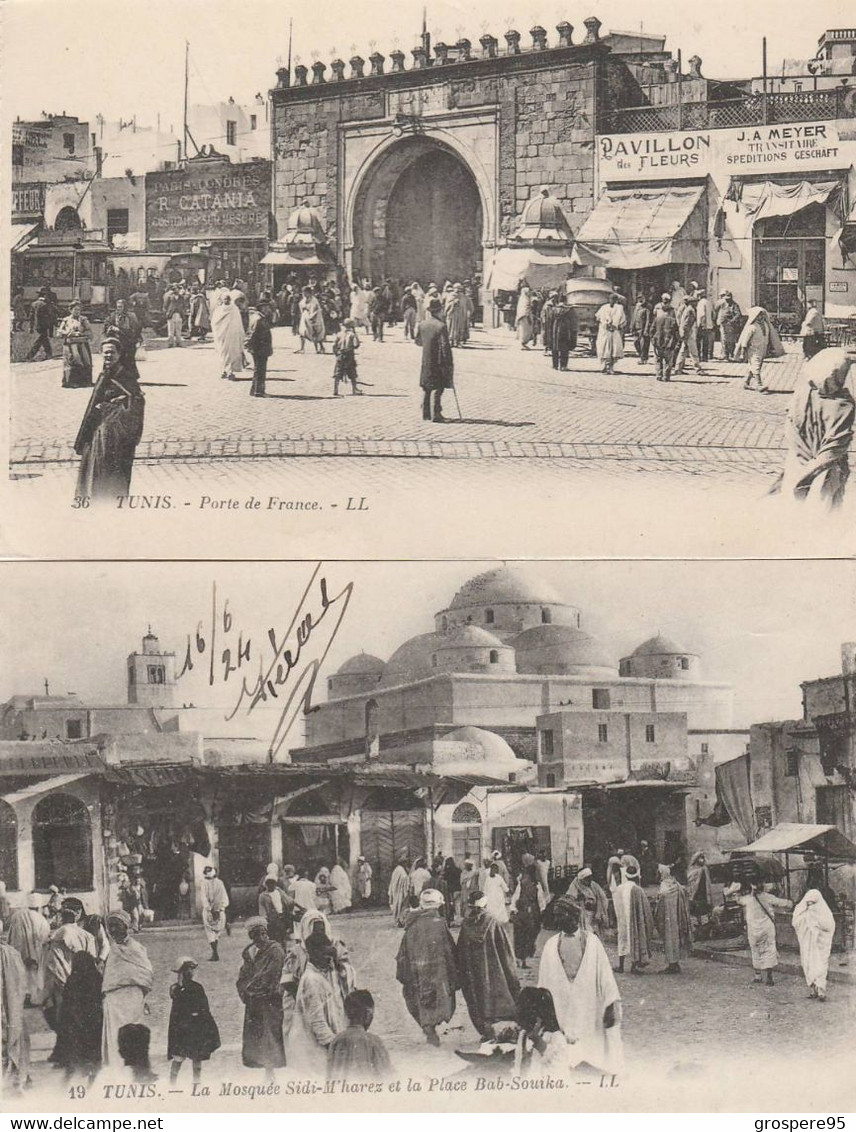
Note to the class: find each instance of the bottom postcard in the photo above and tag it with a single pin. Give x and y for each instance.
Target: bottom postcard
(450, 835)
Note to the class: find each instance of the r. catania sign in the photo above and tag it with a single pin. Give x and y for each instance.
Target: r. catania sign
(213, 200)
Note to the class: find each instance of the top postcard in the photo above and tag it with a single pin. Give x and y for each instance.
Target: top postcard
(563, 289)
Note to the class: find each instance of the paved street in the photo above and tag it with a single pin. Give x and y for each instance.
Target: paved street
(678, 1032)
(514, 405)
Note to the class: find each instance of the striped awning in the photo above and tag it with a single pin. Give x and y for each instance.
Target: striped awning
(632, 228)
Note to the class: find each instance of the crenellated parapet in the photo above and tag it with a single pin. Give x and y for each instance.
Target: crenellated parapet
(509, 50)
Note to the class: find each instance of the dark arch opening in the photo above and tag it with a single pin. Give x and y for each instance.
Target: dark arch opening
(67, 220)
(419, 216)
(62, 843)
(8, 847)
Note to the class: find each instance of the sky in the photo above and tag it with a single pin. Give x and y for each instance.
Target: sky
(761, 626)
(126, 57)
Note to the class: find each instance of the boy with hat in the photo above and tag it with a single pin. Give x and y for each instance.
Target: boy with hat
(192, 1032)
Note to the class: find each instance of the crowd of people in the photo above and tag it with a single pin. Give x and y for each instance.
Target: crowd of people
(299, 987)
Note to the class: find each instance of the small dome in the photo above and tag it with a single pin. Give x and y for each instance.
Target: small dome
(495, 748)
(659, 646)
(562, 650)
(306, 219)
(412, 660)
(543, 218)
(363, 664)
(470, 636)
(505, 585)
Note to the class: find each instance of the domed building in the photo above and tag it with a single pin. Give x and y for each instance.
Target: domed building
(304, 244)
(562, 650)
(523, 730)
(505, 601)
(659, 658)
(543, 221)
(358, 674)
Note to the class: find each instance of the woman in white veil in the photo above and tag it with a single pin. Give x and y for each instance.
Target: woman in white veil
(228, 329)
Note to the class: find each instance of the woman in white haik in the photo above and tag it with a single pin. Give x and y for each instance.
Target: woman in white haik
(228, 330)
(815, 926)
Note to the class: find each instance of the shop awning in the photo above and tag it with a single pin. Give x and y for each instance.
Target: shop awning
(310, 257)
(762, 199)
(22, 232)
(540, 268)
(59, 782)
(636, 228)
(790, 837)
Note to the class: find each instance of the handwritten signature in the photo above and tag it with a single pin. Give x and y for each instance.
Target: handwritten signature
(279, 658)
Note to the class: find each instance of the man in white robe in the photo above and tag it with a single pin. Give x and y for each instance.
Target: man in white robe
(228, 329)
(635, 922)
(399, 891)
(815, 926)
(576, 971)
(29, 931)
(215, 901)
(611, 324)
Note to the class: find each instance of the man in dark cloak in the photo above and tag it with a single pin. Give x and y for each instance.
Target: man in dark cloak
(438, 366)
(486, 969)
(111, 429)
(547, 312)
(425, 965)
(563, 333)
(259, 990)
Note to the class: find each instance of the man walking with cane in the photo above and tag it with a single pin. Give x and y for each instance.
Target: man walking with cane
(438, 366)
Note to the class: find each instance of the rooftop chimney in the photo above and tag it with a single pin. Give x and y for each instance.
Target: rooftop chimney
(465, 50)
(376, 60)
(397, 58)
(338, 69)
(539, 38)
(695, 67)
(441, 53)
(318, 69)
(300, 73)
(420, 58)
(357, 66)
(283, 79)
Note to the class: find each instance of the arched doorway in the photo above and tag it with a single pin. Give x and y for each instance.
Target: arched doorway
(67, 220)
(466, 833)
(62, 843)
(418, 215)
(8, 847)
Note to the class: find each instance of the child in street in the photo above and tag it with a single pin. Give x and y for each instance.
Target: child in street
(193, 1032)
(355, 1054)
(345, 346)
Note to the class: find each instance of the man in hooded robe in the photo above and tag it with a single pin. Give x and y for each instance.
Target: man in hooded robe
(635, 922)
(57, 957)
(523, 317)
(592, 900)
(814, 925)
(29, 931)
(13, 1032)
(673, 920)
(228, 329)
(319, 1012)
(819, 431)
(259, 990)
(111, 428)
(486, 971)
(758, 339)
(399, 891)
(426, 967)
(699, 888)
(128, 978)
(575, 970)
(458, 316)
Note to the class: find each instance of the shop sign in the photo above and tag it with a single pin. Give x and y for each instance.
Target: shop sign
(28, 199)
(839, 286)
(753, 149)
(213, 200)
(30, 137)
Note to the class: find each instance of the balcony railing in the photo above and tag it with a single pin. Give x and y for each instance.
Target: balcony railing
(753, 110)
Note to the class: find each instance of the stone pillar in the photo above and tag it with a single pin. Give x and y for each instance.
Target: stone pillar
(353, 824)
(489, 45)
(338, 69)
(357, 66)
(300, 74)
(539, 38)
(397, 58)
(695, 67)
(441, 53)
(283, 79)
(465, 52)
(420, 58)
(276, 843)
(592, 26)
(566, 32)
(512, 39)
(318, 70)
(376, 60)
